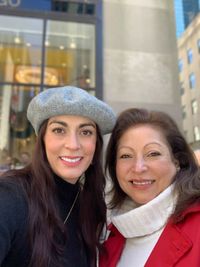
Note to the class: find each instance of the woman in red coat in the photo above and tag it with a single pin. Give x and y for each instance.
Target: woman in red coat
(155, 202)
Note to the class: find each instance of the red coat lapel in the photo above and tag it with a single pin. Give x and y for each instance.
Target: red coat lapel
(114, 246)
(171, 246)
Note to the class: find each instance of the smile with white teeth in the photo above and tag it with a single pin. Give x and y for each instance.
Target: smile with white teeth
(142, 182)
(71, 160)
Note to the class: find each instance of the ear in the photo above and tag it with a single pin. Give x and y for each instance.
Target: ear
(177, 165)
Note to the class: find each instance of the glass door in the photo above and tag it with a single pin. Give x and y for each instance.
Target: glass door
(20, 78)
(70, 54)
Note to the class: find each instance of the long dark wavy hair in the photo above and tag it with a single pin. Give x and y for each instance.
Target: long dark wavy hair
(187, 179)
(37, 181)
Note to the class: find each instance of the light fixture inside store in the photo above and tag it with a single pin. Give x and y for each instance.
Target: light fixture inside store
(33, 75)
(61, 47)
(87, 80)
(17, 39)
(47, 43)
(28, 44)
(72, 44)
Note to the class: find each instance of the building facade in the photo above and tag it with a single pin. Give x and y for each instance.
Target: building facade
(43, 44)
(189, 75)
(140, 56)
(185, 12)
(124, 52)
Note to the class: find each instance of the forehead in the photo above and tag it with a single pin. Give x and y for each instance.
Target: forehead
(72, 119)
(143, 133)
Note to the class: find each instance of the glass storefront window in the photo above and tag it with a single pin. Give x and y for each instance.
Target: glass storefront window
(70, 54)
(80, 7)
(17, 135)
(36, 54)
(20, 49)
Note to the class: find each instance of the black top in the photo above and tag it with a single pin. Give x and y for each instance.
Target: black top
(14, 248)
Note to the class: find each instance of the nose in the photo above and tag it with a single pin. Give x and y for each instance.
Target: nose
(139, 165)
(72, 142)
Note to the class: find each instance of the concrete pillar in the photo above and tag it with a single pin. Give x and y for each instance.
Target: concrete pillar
(140, 55)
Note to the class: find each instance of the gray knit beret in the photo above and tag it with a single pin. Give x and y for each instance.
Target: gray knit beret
(69, 100)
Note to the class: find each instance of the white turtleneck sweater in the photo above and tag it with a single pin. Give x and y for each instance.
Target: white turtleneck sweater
(142, 226)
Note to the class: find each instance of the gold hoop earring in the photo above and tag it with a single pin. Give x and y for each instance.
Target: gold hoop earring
(178, 168)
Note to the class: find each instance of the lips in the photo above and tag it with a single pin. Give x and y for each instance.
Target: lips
(142, 182)
(71, 159)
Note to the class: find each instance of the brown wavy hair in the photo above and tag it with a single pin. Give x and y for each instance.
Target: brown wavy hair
(37, 180)
(187, 179)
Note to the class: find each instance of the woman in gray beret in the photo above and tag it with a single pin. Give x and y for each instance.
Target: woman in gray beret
(52, 212)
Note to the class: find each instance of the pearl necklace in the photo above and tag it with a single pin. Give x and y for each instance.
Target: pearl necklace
(72, 206)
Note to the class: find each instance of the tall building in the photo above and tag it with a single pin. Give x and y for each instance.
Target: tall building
(189, 75)
(188, 43)
(140, 55)
(103, 46)
(185, 12)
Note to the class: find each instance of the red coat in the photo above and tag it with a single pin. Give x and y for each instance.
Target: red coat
(178, 245)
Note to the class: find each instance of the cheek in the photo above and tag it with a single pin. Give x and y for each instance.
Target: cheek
(123, 166)
(51, 145)
(167, 171)
(121, 170)
(47, 140)
(118, 170)
(90, 147)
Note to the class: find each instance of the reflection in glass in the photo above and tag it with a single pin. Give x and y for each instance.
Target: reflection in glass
(21, 46)
(27, 65)
(17, 135)
(70, 51)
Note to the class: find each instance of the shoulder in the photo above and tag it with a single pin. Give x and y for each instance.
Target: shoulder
(193, 211)
(11, 184)
(13, 198)
(13, 215)
(189, 223)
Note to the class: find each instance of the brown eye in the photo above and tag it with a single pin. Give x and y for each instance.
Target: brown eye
(154, 154)
(125, 156)
(58, 130)
(87, 132)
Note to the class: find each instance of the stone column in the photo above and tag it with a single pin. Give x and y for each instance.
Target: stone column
(140, 56)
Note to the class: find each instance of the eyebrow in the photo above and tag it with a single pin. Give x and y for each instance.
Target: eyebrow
(128, 147)
(153, 143)
(80, 126)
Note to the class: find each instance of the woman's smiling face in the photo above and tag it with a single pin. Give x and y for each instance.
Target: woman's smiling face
(145, 166)
(70, 143)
